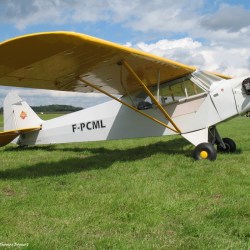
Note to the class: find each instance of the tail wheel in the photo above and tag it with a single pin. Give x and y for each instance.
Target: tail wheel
(230, 146)
(205, 151)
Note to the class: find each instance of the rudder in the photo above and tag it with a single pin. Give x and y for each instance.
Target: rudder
(18, 114)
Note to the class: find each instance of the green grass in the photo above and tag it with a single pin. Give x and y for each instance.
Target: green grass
(127, 194)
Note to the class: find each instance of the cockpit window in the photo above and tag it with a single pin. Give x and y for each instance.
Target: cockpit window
(176, 90)
(172, 91)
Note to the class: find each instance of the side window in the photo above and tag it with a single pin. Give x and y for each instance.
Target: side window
(168, 93)
(178, 90)
(191, 89)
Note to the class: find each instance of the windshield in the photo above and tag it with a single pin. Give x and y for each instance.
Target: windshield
(206, 78)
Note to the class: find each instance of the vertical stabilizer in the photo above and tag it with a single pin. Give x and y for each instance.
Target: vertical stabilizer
(18, 114)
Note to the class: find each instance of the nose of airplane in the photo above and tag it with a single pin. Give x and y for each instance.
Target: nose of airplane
(246, 85)
(241, 90)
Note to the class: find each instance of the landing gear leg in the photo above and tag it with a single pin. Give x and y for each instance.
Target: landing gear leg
(209, 138)
(230, 146)
(225, 145)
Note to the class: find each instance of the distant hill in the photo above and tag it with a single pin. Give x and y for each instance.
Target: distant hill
(56, 108)
(53, 108)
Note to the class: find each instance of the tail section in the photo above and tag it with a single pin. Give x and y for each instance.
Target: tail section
(19, 119)
(18, 115)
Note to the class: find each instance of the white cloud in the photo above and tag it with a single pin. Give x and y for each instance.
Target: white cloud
(234, 62)
(163, 15)
(225, 25)
(231, 18)
(27, 13)
(39, 97)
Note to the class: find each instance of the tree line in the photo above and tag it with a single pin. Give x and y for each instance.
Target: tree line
(53, 108)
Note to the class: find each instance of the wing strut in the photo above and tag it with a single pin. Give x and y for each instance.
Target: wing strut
(156, 102)
(175, 129)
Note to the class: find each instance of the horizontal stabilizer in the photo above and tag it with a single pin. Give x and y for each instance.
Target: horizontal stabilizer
(8, 136)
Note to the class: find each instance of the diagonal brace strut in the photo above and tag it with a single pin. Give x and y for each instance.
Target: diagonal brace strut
(156, 102)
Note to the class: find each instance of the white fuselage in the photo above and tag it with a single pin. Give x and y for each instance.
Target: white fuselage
(112, 120)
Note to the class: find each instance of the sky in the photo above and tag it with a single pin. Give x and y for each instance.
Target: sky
(212, 35)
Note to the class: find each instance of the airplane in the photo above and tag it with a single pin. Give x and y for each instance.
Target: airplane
(152, 96)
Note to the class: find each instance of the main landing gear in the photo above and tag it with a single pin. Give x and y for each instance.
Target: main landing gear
(207, 151)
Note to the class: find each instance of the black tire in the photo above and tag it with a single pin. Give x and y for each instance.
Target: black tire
(230, 146)
(205, 151)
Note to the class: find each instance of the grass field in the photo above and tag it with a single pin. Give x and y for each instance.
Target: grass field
(129, 194)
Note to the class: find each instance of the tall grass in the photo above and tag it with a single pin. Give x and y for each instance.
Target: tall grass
(127, 194)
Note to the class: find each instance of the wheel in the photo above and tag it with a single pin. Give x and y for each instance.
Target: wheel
(230, 146)
(205, 151)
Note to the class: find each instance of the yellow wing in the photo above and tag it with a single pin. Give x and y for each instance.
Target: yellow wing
(56, 60)
(8, 136)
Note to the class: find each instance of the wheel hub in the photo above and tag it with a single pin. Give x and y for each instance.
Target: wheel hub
(203, 154)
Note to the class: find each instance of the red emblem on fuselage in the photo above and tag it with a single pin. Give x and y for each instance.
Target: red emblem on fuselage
(23, 115)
